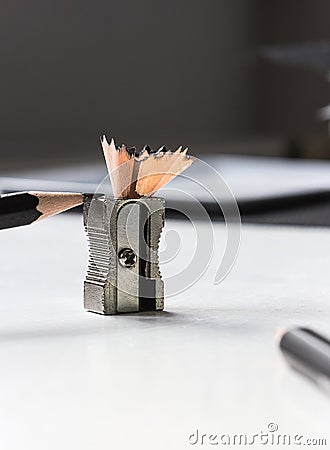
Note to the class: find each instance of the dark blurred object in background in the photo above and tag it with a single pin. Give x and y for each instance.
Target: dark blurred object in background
(315, 56)
(155, 72)
(312, 55)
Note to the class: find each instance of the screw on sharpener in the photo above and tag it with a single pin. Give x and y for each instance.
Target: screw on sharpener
(127, 257)
(123, 272)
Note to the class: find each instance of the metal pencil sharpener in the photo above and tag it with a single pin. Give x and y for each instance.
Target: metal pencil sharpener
(123, 273)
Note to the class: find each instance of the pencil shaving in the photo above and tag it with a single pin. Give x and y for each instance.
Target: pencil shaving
(136, 174)
(120, 167)
(178, 162)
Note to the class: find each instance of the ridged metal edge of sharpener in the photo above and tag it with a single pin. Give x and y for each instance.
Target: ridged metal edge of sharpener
(156, 206)
(99, 292)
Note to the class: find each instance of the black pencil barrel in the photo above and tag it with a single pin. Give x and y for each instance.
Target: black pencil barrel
(18, 209)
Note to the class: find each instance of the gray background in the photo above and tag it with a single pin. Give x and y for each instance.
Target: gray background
(173, 72)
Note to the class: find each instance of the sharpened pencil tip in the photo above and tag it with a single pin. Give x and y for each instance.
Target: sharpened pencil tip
(51, 203)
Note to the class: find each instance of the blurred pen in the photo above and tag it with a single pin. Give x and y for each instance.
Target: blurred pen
(307, 352)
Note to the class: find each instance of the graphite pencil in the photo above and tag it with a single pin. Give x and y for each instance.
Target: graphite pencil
(24, 208)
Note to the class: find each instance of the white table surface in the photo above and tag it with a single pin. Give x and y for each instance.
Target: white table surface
(80, 381)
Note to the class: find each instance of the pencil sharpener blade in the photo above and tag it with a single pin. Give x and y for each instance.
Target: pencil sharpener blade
(123, 273)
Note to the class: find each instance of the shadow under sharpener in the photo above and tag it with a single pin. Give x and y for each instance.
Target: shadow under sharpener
(123, 272)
